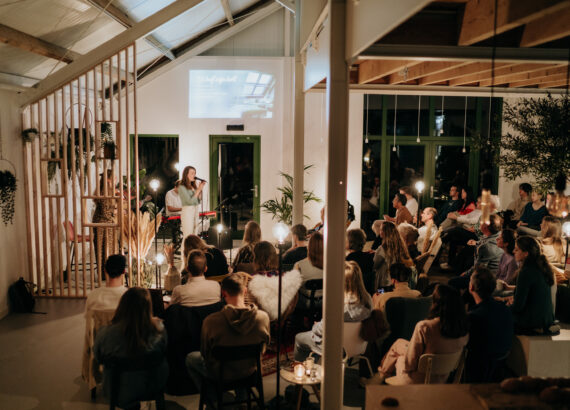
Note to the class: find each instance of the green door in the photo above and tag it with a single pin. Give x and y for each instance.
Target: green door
(235, 179)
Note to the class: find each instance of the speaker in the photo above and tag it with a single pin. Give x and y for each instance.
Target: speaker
(222, 240)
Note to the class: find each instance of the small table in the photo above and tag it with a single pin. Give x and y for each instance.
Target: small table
(289, 376)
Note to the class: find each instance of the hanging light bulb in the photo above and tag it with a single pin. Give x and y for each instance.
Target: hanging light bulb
(419, 108)
(464, 126)
(367, 114)
(395, 118)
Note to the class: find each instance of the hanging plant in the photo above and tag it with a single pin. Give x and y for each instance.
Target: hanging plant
(7, 196)
(107, 141)
(30, 134)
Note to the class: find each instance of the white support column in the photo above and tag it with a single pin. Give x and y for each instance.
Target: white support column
(335, 216)
(299, 130)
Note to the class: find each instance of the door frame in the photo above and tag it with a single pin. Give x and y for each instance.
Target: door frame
(215, 140)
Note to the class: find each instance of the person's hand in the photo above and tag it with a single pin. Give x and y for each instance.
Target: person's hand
(472, 242)
(509, 300)
(463, 274)
(521, 223)
(452, 216)
(202, 184)
(386, 217)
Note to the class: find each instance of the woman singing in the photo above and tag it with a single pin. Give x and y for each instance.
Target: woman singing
(190, 194)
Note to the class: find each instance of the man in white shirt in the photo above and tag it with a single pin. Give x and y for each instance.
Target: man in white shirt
(173, 202)
(198, 291)
(107, 297)
(428, 220)
(411, 202)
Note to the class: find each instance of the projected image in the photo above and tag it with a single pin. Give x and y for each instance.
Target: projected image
(231, 94)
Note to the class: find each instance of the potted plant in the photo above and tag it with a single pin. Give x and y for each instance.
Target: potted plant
(8, 186)
(282, 208)
(107, 141)
(29, 134)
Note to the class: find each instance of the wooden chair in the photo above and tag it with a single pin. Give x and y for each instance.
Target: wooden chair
(221, 384)
(439, 365)
(425, 260)
(71, 236)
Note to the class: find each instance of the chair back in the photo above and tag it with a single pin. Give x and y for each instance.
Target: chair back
(228, 354)
(95, 320)
(352, 343)
(441, 364)
(68, 227)
(434, 250)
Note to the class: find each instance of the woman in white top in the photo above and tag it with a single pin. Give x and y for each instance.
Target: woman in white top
(190, 194)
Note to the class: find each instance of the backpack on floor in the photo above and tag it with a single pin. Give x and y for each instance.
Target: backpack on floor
(21, 296)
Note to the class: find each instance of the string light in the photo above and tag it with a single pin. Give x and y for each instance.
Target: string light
(419, 110)
(367, 114)
(464, 126)
(395, 112)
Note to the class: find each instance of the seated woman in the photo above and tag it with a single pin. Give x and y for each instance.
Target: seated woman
(215, 258)
(410, 235)
(251, 237)
(265, 259)
(468, 205)
(393, 250)
(312, 266)
(445, 331)
(133, 333)
(532, 302)
(357, 307)
(534, 211)
(355, 241)
(551, 240)
(506, 275)
(376, 228)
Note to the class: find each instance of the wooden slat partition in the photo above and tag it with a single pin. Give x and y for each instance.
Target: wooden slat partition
(62, 259)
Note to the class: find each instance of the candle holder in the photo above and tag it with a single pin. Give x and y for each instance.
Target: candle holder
(299, 371)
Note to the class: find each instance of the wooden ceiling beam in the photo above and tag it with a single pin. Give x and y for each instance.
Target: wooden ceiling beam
(559, 83)
(24, 41)
(123, 18)
(371, 70)
(538, 80)
(447, 75)
(228, 11)
(549, 28)
(518, 72)
(424, 69)
(531, 75)
(479, 16)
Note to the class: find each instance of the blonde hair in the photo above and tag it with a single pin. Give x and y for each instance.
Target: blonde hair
(252, 233)
(552, 235)
(377, 226)
(394, 246)
(354, 285)
(193, 242)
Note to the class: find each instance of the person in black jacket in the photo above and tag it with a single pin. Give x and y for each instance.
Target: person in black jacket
(355, 241)
(491, 329)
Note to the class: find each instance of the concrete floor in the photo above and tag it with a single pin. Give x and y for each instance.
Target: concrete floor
(40, 363)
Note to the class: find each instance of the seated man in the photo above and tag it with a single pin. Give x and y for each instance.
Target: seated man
(491, 328)
(299, 249)
(235, 325)
(428, 230)
(450, 206)
(402, 213)
(411, 202)
(400, 275)
(107, 297)
(516, 207)
(198, 291)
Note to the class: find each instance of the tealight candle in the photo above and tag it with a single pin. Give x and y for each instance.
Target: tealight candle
(299, 371)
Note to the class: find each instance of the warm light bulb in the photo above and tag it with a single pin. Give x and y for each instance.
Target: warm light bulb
(280, 231)
(154, 184)
(420, 186)
(219, 228)
(177, 166)
(160, 259)
(394, 148)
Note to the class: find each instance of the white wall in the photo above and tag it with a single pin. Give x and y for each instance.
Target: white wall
(13, 250)
(163, 109)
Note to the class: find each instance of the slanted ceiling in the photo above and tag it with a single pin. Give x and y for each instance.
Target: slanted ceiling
(450, 43)
(39, 37)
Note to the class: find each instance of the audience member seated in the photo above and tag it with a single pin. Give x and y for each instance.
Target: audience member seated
(197, 291)
(410, 235)
(265, 259)
(236, 324)
(428, 229)
(445, 331)
(516, 207)
(299, 249)
(393, 250)
(551, 240)
(215, 258)
(133, 333)
(312, 266)
(107, 297)
(357, 307)
(251, 236)
(534, 211)
(411, 202)
(490, 331)
(487, 253)
(402, 213)
(451, 205)
(400, 275)
(532, 302)
(355, 241)
(376, 228)
(507, 271)
(320, 225)
(468, 205)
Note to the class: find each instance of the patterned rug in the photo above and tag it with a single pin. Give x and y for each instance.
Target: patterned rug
(269, 359)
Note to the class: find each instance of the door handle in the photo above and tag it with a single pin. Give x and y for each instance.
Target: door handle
(255, 191)
(431, 191)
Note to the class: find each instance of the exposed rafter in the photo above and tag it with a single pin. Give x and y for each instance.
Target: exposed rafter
(558, 83)
(287, 4)
(122, 18)
(35, 45)
(549, 28)
(106, 50)
(539, 80)
(523, 72)
(227, 11)
(372, 70)
(424, 69)
(478, 19)
(473, 68)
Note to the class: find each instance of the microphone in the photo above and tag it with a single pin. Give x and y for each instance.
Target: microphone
(200, 179)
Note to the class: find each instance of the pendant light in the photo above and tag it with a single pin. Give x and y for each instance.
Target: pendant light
(367, 114)
(442, 116)
(395, 117)
(419, 110)
(464, 127)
